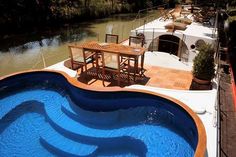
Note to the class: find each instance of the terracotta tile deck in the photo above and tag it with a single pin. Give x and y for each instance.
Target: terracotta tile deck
(153, 76)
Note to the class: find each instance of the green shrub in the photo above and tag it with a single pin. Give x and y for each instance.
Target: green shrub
(203, 63)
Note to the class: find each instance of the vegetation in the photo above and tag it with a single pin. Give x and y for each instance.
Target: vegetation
(17, 14)
(203, 63)
(25, 13)
(232, 2)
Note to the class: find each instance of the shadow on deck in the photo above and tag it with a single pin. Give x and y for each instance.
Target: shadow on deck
(153, 76)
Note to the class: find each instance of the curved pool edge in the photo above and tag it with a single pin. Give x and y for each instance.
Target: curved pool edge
(201, 146)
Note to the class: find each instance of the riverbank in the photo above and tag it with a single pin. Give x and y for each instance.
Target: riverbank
(69, 32)
(28, 50)
(26, 16)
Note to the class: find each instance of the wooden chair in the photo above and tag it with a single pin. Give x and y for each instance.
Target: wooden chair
(172, 14)
(165, 15)
(177, 12)
(81, 57)
(112, 62)
(135, 41)
(111, 38)
(161, 10)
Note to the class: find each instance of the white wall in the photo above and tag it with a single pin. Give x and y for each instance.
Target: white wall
(189, 40)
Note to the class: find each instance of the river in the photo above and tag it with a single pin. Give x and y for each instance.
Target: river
(27, 51)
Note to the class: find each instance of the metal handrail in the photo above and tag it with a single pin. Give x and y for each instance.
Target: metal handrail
(218, 111)
(137, 17)
(43, 60)
(217, 105)
(147, 9)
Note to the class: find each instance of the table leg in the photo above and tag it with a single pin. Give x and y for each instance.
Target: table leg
(142, 63)
(128, 71)
(97, 66)
(135, 67)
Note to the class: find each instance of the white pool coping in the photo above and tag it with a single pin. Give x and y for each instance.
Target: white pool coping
(61, 67)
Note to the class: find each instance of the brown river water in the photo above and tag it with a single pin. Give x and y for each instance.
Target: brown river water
(52, 45)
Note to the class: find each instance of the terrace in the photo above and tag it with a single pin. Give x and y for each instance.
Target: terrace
(154, 75)
(167, 73)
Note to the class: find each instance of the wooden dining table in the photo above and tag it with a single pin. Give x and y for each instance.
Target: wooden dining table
(123, 50)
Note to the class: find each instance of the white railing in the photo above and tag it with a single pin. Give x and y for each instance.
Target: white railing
(139, 20)
(217, 105)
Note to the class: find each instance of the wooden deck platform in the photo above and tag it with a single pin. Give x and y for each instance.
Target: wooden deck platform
(153, 76)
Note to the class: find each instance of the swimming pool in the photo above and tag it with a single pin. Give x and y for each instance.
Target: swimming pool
(46, 113)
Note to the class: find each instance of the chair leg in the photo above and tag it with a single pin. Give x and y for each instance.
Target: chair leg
(135, 68)
(142, 62)
(128, 71)
(118, 78)
(82, 69)
(97, 66)
(72, 67)
(86, 69)
(103, 75)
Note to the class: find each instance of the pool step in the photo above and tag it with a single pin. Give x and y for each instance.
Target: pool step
(62, 146)
(107, 138)
(63, 123)
(95, 118)
(8, 104)
(83, 131)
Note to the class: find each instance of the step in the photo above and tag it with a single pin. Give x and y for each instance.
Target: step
(64, 123)
(62, 146)
(9, 103)
(84, 116)
(105, 139)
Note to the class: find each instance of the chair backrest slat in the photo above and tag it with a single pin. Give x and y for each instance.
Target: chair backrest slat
(76, 51)
(111, 60)
(136, 41)
(111, 38)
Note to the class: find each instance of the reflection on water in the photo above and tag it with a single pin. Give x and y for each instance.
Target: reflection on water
(24, 52)
(35, 46)
(109, 29)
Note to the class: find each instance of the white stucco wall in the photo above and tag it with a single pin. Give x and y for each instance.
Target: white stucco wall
(193, 33)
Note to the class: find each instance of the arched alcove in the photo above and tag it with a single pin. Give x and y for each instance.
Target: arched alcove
(165, 43)
(170, 44)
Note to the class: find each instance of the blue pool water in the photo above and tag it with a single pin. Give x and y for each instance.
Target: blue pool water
(41, 114)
